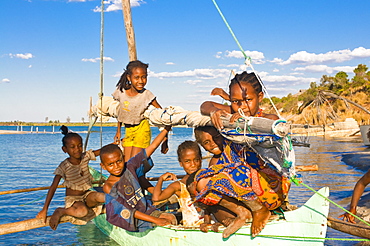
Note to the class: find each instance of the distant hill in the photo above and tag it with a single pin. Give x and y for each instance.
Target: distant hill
(334, 99)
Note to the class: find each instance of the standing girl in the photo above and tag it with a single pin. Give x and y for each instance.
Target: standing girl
(78, 181)
(134, 100)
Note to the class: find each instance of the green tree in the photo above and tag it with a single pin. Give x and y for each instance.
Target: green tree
(361, 77)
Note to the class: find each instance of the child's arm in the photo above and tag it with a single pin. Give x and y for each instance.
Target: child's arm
(117, 137)
(96, 152)
(158, 221)
(159, 194)
(44, 212)
(357, 193)
(157, 141)
(215, 110)
(220, 92)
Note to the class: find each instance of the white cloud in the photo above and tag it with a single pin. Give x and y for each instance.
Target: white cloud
(193, 82)
(203, 73)
(96, 59)
(303, 57)
(5, 81)
(114, 5)
(325, 69)
(286, 79)
(275, 70)
(170, 63)
(218, 55)
(22, 56)
(256, 56)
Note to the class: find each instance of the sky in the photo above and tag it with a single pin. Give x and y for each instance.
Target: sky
(50, 49)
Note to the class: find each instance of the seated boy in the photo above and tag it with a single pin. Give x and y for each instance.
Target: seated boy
(126, 205)
(115, 171)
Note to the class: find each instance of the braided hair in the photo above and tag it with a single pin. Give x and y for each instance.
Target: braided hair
(124, 83)
(249, 78)
(68, 134)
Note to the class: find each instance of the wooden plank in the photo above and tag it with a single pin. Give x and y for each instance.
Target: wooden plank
(302, 168)
(25, 225)
(39, 188)
(350, 228)
(27, 190)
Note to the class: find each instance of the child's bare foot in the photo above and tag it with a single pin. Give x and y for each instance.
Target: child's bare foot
(234, 226)
(260, 218)
(227, 221)
(215, 226)
(54, 219)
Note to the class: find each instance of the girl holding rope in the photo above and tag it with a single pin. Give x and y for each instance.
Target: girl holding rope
(268, 189)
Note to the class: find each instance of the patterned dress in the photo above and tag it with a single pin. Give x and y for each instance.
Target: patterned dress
(241, 174)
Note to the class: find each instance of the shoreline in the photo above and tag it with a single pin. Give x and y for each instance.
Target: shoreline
(2, 132)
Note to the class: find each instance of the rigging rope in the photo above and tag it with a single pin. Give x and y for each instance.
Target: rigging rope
(248, 59)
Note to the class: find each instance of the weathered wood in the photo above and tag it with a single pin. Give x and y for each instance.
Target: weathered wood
(37, 188)
(25, 225)
(130, 35)
(307, 168)
(27, 190)
(156, 178)
(350, 228)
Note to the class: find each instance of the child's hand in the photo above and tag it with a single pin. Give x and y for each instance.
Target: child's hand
(164, 146)
(162, 222)
(217, 92)
(220, 92)
(117, 138)
(168, 176)
(234, 117)
(42, 215)
(348, 217)
(216, 118)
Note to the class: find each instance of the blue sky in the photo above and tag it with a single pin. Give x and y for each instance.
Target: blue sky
(49, 49)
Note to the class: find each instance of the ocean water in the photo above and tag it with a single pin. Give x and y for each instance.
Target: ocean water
(28, 160)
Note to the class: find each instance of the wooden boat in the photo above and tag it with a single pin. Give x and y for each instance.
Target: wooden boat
(306, 225)
(347, 227)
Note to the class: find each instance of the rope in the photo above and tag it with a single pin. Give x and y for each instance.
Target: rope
(301, 238)
(101, 78)
(34, 200)
(298, 182)
(248, 59)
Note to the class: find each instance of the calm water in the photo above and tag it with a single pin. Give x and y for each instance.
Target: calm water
(29, 161)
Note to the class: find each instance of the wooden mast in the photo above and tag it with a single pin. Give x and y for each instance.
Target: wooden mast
(130, 35)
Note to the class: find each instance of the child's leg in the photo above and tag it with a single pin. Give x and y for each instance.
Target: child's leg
(127, 151)
(242, 214)
(260, 216)
(78, 210)
(94, 198)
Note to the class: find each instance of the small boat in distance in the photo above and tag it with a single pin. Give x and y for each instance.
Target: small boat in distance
(365, 134)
